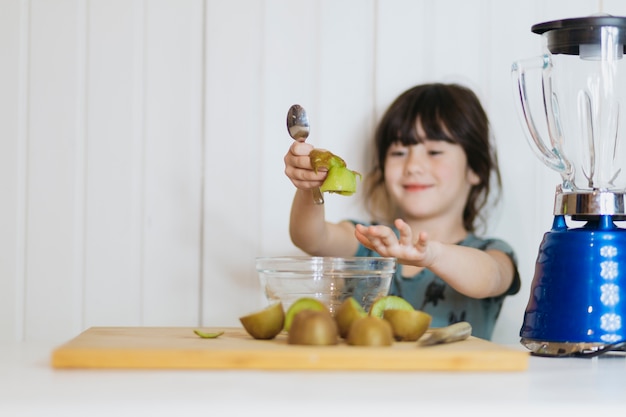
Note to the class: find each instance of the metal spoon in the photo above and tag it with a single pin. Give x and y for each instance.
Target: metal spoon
(452, 333)
(298, 128)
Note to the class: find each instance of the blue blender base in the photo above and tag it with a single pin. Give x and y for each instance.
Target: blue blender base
(578, 294)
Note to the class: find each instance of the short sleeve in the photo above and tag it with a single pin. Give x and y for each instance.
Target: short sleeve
(502, 246)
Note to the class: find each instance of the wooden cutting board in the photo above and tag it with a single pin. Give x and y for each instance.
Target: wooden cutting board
(181, 348)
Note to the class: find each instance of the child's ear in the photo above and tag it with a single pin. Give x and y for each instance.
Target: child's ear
(472, 177)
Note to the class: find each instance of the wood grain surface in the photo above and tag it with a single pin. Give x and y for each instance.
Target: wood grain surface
(181, 348)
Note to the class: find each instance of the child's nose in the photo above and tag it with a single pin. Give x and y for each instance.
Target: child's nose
(417, 161)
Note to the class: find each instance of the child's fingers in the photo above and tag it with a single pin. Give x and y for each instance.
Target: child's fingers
(378, 238)
(406, 234)
(300, 149)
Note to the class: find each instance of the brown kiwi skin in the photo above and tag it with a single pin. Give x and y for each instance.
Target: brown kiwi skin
(265, 324)
(370, 331)
(347, 312)
(304, 303)
(407, 325)
(312, 327)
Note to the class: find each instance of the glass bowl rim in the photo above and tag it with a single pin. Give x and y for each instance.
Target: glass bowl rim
(265, 263)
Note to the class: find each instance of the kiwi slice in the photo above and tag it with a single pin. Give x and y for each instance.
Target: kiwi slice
(208, 335)
(265, 324)
(407, 325)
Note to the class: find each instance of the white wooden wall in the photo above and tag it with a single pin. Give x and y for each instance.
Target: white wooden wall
(141, 141)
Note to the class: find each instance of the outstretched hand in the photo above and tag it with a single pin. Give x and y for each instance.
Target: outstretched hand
(298, 167)
(384, 241)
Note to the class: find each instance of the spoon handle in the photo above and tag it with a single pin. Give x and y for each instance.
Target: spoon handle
(318, 198)
(452, 333)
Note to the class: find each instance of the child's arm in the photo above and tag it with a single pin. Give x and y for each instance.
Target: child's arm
(473, 272)
(308, 227)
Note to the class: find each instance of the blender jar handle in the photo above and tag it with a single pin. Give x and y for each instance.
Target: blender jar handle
(548, 155)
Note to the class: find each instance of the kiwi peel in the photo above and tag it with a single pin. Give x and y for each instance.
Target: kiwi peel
(340, 179)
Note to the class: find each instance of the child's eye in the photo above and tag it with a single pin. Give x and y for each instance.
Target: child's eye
(435, 148)
(397, 151)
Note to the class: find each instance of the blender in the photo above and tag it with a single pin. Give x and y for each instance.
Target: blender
(573, 119)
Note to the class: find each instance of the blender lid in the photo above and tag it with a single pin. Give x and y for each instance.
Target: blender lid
(565, 36)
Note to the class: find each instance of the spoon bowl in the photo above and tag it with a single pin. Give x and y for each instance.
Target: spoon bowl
(298, 123)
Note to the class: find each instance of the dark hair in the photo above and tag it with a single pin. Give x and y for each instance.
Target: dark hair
(448, 112)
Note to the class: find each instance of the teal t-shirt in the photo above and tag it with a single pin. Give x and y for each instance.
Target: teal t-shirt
(429, 293)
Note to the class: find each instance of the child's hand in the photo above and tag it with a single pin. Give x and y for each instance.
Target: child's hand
(298, 167)
(383, 240)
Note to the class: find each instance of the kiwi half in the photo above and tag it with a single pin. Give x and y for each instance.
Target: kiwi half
(347, 312)
(407, 325)
(312, 327)
(388, 302)
(304, 303)
(370, 331)
(265, 324)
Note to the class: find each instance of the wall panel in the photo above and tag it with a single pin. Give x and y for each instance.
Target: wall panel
(54, 157)
(13, 37)
(114, 164)
(346, 118)
(403, 48)
(172, 155)
(234, 119)
(291, 65)
(507, 42)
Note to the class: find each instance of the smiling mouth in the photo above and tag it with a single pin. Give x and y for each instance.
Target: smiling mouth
(416, 187)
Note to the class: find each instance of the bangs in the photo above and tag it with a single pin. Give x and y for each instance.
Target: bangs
(433, 110)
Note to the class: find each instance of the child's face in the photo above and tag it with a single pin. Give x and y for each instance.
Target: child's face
(429, 179)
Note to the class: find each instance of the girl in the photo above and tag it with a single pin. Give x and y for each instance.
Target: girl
(431, 179)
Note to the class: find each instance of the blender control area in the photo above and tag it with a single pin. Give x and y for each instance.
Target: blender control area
(572, 103)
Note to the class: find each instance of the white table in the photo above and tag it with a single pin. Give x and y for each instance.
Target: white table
(30, 387)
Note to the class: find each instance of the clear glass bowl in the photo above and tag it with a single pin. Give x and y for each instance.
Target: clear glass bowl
(330, 280)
